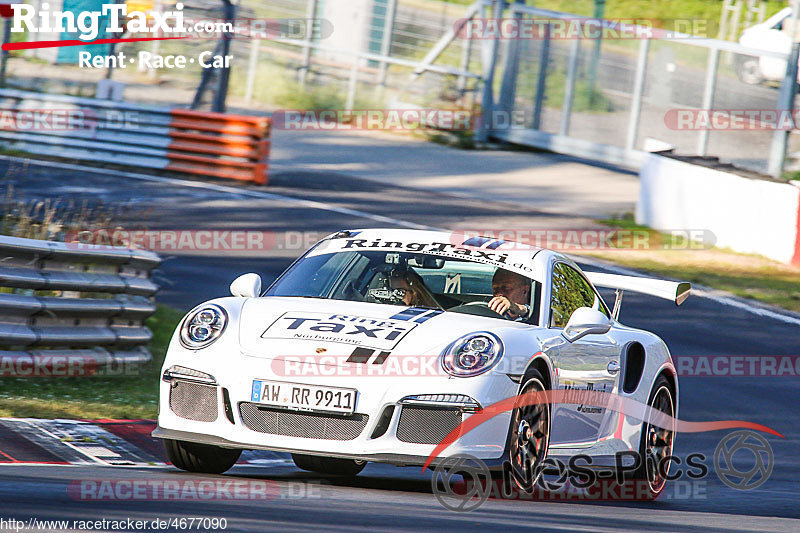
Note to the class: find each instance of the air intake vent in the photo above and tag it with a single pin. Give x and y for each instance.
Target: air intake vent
(426, 425)
(193, 401)
(299, 424)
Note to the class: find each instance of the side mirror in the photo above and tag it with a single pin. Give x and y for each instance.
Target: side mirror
(586, 321)
(246, 286)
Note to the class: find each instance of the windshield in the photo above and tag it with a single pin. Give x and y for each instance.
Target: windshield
(408, 279)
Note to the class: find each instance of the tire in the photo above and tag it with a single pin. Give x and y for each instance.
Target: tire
(748, 70)
(202, 458)
(530, 436)
(656, 444)
(328, 465)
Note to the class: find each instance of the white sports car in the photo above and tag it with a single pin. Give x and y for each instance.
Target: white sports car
(377, 344)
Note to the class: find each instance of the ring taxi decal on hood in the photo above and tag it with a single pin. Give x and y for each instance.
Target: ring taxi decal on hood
(376, 333)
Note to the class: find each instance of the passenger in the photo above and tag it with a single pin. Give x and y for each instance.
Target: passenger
(412, 287)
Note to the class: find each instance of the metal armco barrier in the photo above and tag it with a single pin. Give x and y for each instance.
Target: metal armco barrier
(178, 140)
(73, 309)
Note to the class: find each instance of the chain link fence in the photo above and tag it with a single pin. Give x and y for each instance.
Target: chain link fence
(285, 54)
(614, 98)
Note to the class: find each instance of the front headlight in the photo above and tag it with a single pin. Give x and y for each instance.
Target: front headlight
(203, 326)
(472, 354)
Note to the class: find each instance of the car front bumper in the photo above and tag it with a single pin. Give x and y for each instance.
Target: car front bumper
(376, 441)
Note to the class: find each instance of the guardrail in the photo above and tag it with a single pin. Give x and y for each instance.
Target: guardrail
(178, 140)
(73, 309)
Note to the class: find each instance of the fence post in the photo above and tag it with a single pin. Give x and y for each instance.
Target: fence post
(490, 62)
(4, 53)
(708, 96)
(508, 87)
(569, 90)
(599, 12)
(386, 41)
(351, 84)
(466, 53)
(541, 79)
(311, 13)
(777, 152)
(252, 65)
(638, 92)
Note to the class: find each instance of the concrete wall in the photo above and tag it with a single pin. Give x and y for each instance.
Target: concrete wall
(747, 215)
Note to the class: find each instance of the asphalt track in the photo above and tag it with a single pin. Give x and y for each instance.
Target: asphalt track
(390, 498)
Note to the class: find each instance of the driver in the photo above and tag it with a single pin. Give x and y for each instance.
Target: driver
(512, 292)
(412, 287)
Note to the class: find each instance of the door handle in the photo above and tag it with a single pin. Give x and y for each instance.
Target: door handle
(613, 367)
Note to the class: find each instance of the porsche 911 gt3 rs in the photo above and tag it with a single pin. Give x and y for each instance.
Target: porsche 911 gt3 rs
(377, 344)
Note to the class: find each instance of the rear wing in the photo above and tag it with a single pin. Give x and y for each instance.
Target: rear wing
(676, 291)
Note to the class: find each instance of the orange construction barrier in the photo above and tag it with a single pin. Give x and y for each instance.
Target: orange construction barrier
(220, 145)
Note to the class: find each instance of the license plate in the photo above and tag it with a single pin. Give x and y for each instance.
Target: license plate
(304, 397)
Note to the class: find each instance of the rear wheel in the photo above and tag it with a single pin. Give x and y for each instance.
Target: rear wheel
(328, 465)
(530, 435)
(203, 458)
(656, 443)
(748, 69)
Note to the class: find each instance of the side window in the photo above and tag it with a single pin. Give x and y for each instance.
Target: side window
(570, 291)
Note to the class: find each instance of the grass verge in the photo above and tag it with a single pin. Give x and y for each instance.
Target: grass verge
(747, 276)
(132, 396)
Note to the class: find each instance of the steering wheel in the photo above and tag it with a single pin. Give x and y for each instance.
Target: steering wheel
(476, 308)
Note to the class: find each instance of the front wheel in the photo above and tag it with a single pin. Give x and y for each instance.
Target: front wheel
(203, 458)
(530, 435)
(328, 465)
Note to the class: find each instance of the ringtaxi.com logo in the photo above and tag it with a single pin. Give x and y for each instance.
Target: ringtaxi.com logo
(115, 19)
(26, 18)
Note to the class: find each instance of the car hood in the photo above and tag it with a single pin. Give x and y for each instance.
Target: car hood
(332, 330)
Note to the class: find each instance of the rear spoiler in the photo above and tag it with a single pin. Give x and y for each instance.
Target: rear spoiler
(676, 291)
